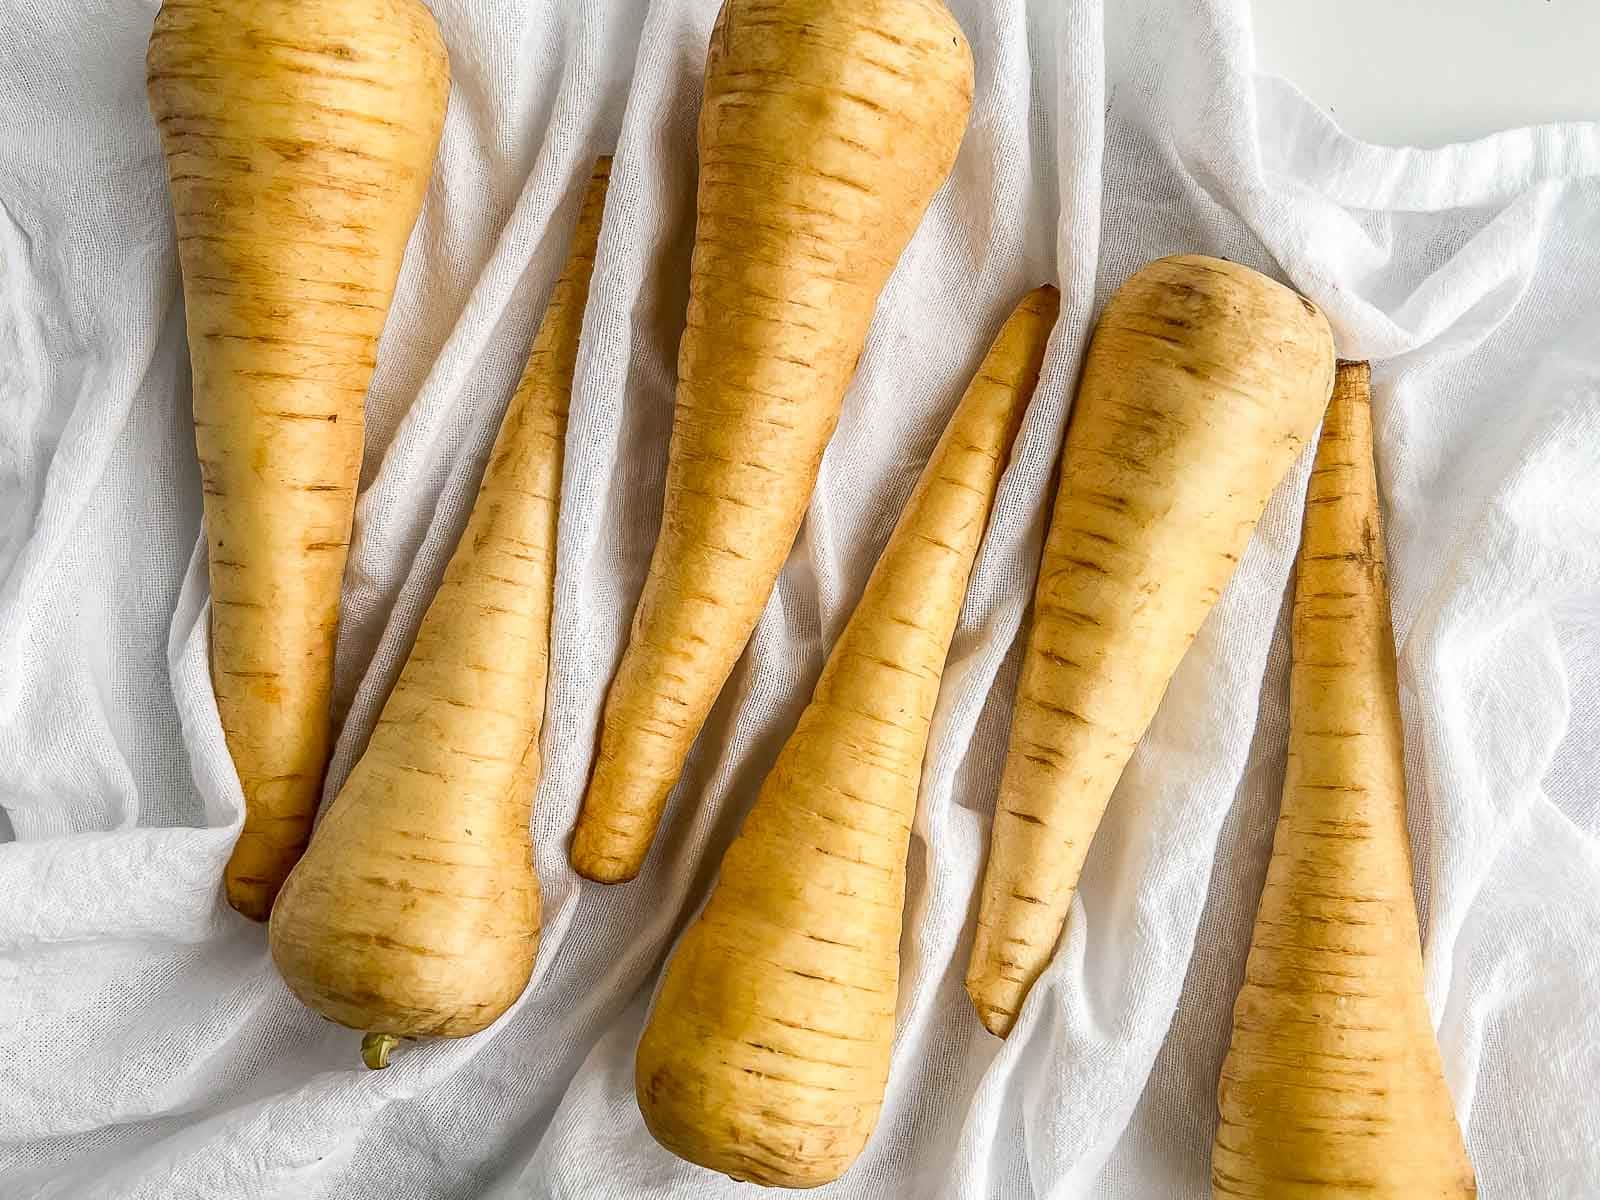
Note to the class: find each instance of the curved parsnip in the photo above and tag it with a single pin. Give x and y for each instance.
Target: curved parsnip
(826, 127)
(1201, 385)
(767, 1052)
(416, 910)
(1332, 1088)
(299, 138)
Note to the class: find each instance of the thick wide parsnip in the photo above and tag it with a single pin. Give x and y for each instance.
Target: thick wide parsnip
(416, 910)
(767, 1053)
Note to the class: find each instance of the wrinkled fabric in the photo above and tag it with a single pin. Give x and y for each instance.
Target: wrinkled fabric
(148, 1049)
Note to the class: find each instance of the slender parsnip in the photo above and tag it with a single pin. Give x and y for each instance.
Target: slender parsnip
(767, 1052)
(826, 127)
(299, 138)
(1202, 383)
(416, 910)
(1333, 1088)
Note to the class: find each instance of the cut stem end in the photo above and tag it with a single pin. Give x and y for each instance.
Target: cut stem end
(375, 1049)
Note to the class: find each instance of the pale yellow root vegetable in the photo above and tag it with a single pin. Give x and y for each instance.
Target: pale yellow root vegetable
(767, 1052)
(1333, 1088)
(299, 138)
(1202, 383)
(416, 910)
(827, 125)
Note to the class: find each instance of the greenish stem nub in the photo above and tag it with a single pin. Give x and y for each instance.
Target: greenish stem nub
(375, 1049)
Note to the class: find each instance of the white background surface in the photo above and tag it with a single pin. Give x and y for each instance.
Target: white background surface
(1430, 72)
(148, 1049)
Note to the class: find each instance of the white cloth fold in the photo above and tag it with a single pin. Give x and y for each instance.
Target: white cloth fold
(147, 1048)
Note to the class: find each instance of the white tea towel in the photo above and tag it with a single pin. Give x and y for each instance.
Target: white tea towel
(148, 1049)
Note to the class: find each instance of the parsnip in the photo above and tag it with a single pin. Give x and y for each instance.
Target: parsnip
(1202, 383)
(416, 910)
(767, 1052)
(1333, 1088)
(825, 129)
(299, 139)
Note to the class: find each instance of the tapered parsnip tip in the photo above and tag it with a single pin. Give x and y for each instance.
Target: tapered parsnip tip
(996, 997)
(253, 905)
(1043, 304)
(998, 1021)
(602, 868)
(249, 898)
(612, 839)
(599, 186)
(594, 854)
